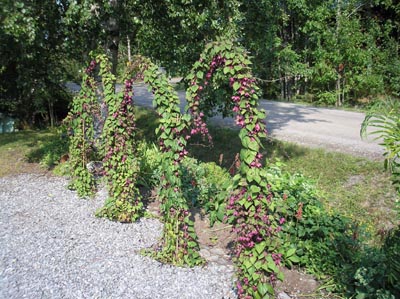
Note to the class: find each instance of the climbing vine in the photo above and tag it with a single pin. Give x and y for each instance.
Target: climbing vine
(80, 122)
(179, 244)
(120, 164)
(250, 205)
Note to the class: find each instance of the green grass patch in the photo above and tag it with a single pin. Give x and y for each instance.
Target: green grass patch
(359, 188)
(30, 151)
(14, 148)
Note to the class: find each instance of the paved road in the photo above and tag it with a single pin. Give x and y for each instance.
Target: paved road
(335, 130)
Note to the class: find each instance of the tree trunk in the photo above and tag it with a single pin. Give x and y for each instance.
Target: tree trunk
(339, 101)
(113, 43)
(51, 113)
(128, 41)
(113, 32)
(338, 91)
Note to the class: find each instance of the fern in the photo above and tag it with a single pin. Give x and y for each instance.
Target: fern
(385, 118)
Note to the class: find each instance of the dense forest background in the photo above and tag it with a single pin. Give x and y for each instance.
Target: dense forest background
(331, 52)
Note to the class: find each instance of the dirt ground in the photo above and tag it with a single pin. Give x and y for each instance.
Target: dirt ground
(296, 284)
(220, 238)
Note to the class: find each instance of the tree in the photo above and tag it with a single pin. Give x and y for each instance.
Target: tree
(336, 50)
(31, 73)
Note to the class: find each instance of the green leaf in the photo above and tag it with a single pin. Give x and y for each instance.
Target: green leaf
(290, 252)
(221, 212)
(190, 76)
(236, 86)
(255, 189)
(260, 247)
(264, 289)
(247, 204)
(294, 259)
(238, 67)
(253, 145)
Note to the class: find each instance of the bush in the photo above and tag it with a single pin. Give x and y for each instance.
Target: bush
(330, 245)
(150, 158)
(206, 185)
(323, 239)
(377, 275)
(326, 98)
(391, 249)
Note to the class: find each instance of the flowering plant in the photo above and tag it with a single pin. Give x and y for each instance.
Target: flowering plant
(251, 206)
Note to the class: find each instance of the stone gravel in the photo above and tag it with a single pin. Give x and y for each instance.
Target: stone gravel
(52, 246)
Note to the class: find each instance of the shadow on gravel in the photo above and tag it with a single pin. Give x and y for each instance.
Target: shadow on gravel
(280, 115)
(226, 142)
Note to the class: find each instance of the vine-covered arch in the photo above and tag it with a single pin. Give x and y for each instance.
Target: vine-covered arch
(120, 165)
(250, 205)
(179, 242)
(80, 123)
(230, 59)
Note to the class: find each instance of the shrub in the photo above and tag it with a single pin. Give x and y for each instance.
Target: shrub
(391, 249)
(205, 186)
(310, 227)
(384, 116)
(330, 245)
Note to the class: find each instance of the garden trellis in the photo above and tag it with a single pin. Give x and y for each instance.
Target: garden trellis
(250, 204)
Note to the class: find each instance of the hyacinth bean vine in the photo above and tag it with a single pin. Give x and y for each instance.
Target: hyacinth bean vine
(115, 146)
(250, 205)
(179, 241)
(118, 137)
(80, 122)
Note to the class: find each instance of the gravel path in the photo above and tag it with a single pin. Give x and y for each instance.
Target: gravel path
(331, 129)
(52, 246)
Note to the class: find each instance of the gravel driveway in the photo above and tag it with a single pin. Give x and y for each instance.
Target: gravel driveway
(52, 246)
(331, 129)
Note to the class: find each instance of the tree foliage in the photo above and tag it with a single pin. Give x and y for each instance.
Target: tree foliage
(329, 52)
(31, 71)
(334, 51)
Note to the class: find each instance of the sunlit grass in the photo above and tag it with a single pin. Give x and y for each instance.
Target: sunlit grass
(14, 148)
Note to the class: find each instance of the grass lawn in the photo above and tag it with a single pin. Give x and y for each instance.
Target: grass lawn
(15, 148)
